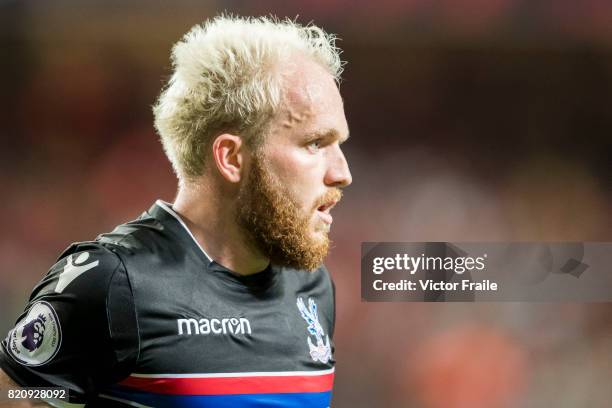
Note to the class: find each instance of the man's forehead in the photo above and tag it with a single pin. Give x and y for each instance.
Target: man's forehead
(306, 81)
(311, 102)
(304, 94)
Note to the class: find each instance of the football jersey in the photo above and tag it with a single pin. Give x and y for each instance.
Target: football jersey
(142, 316)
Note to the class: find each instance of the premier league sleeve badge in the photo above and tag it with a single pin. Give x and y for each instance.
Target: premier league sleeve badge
(37, 337)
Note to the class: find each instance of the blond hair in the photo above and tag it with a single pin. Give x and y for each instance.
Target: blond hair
(225, 80)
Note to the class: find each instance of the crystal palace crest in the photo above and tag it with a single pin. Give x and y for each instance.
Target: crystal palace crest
(321, 351)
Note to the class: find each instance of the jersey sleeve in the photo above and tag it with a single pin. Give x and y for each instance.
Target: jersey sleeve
(78, 329)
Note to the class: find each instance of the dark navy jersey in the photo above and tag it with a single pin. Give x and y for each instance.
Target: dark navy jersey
(143, 316)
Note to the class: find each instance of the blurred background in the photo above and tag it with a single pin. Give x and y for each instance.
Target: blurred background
(474, 120)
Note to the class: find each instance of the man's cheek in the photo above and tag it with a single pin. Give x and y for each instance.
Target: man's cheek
(297, 195)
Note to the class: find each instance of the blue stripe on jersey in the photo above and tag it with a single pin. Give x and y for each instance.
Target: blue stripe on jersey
(289, 400)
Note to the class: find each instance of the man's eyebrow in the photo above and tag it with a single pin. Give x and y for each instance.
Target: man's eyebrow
(329, 133)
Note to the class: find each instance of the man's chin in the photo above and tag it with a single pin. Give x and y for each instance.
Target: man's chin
(319, 236)
(309, 255)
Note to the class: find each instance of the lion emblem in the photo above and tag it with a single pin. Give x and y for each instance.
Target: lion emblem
(33, 333)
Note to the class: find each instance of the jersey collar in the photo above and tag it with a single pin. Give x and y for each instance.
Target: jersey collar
(167, 207)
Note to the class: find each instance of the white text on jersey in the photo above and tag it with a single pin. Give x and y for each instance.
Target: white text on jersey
(232, 325)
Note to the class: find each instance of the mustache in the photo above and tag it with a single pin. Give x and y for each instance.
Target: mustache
(331, 196)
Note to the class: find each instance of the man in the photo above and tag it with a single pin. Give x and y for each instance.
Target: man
(219, 299)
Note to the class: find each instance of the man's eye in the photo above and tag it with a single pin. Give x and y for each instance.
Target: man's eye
(314, 145)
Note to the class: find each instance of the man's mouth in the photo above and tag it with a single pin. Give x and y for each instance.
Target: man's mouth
(324, 211)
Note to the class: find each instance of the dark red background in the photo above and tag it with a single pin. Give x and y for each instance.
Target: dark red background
(471, 120)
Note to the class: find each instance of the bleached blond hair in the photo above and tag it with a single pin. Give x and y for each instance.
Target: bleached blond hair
(226, 79)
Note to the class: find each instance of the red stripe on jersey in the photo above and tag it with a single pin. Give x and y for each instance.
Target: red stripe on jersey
(265, 384)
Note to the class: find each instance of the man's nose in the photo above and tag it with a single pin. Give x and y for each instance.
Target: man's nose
(338, 173)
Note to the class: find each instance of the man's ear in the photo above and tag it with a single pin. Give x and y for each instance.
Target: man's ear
(229, 154)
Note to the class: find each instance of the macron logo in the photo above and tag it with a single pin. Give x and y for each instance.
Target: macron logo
(231, 325)
(74, 269)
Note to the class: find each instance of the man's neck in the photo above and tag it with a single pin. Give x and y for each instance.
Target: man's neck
(212, 222)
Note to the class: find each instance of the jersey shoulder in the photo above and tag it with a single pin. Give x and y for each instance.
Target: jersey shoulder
(133, 236)
(70, 271)
(79, 327)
